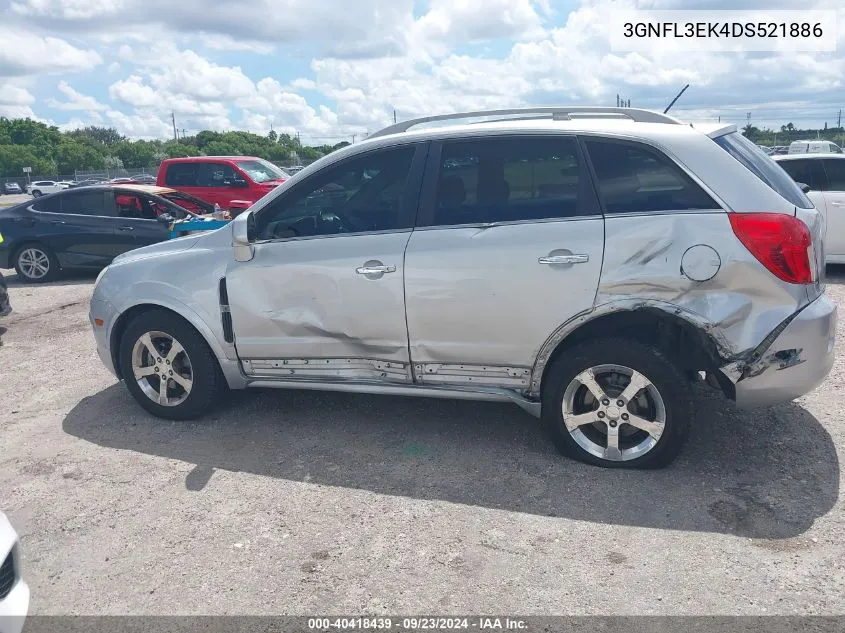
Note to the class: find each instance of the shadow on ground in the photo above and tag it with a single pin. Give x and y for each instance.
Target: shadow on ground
(64, 278)
(763, 474)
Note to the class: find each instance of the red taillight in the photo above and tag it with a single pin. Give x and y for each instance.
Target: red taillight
(780, 242)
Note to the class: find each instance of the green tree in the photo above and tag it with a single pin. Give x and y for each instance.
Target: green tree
(107, 136)
(72, 155)
(13, 158)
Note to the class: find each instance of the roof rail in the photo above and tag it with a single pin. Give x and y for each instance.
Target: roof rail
(562, 113)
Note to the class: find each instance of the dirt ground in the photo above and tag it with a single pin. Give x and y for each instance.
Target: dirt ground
(310, 503)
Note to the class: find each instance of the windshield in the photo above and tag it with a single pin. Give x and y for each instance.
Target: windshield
(764, 167)
(262, 170)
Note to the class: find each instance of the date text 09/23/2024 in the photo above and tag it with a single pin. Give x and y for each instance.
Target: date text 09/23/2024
(417, 623)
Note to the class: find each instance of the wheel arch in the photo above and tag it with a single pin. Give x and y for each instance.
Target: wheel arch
(683, 336)
(182, 312)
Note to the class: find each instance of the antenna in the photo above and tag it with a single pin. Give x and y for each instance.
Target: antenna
(678, 96)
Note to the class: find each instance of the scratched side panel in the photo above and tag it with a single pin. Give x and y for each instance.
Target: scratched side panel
(739, 306)
(302, 299)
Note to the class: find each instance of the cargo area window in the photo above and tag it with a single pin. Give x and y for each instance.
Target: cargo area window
(633, 178)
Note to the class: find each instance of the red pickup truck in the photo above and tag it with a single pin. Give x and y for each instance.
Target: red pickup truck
(233, 182)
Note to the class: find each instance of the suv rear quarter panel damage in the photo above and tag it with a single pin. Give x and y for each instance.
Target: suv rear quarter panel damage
(737, 307)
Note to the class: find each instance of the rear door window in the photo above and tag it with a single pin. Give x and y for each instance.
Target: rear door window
(633, 178)
(86, 203)
(215, 175)
(510, 179)
(754, 160)
(181, 175)
(806, 170)
(835, 168)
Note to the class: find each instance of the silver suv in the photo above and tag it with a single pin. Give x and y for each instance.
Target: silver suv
(586, 264)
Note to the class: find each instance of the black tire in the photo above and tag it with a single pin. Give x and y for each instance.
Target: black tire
(52, 263)
(37, 193)
(208, 380)
(670, 383)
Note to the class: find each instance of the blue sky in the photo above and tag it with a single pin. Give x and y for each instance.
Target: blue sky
(329, 69)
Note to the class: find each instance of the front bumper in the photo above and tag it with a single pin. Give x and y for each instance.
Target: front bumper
(798, 360)
(102, 310)
(13, 609)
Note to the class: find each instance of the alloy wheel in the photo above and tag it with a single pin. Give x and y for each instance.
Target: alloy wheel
(614, 412)
(162, 368)
(34, 263)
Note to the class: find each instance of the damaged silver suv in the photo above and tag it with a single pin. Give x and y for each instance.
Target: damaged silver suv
(584, 263)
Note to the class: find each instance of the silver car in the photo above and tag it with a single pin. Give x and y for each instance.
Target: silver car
(586, 264)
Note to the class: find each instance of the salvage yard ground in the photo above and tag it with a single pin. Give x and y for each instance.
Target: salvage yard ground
(310, 503)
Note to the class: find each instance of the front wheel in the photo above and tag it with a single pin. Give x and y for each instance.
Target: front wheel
(617, 403)
(168, 367)
(36, 194)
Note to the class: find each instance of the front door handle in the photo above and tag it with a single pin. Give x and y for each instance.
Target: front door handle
(375, 270)
(127, 228)
(57, 222)
(564, 259)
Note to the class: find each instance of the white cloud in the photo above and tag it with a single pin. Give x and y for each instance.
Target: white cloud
(75, 100)
(25, 53)
(11, 95)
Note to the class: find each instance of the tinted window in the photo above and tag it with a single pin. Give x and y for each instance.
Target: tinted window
(49, 204)
(85, 203)
(635, 179)
(810, 172)
(762, 166)
(215, 175)
(361, 194)
(181, 175)
(835, 169)
(507, 180)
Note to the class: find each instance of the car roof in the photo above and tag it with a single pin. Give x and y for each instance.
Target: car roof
(206, 159)
(150, 189)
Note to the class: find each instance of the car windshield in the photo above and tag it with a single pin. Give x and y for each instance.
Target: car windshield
(764, 167)
(262, 170)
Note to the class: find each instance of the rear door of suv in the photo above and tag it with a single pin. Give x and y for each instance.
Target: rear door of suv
(508, 245)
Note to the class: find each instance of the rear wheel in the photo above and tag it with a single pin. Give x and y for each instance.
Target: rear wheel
(617, 403)
(36, 193)
(168, 367)
(35, 263)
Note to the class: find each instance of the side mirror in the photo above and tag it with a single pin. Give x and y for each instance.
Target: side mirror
(804, 187)
(243, 236)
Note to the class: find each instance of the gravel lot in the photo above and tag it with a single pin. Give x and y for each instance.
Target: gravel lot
(307, 503)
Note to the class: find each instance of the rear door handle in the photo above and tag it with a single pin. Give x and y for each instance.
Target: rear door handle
(127, 228)
(564, 259)
(375, 270)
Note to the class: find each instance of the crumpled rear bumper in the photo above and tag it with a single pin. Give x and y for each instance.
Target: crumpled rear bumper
(798, 360)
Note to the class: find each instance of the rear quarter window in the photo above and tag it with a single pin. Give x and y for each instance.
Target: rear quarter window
(633, 178)
(754, 160)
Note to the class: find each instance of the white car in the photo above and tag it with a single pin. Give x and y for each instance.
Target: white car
(43, 187)
(814, 147)
(14, 592)
(824, 174)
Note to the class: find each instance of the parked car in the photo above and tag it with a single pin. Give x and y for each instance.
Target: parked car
(222, 179)
(42, 187)
(824, 174)
(86, 183)
(5, 305)
(586, 264)
(14, 592)
(814, 147)
(12, 188)
(88, 227)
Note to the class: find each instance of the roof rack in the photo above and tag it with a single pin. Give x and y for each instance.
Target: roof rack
(563, 113)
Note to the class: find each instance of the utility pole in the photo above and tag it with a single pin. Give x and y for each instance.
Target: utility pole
(173, 118)
(839, 119)
(184, 133)
(353, 138)
(617, 99)
(394, 115)
(748, 119)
